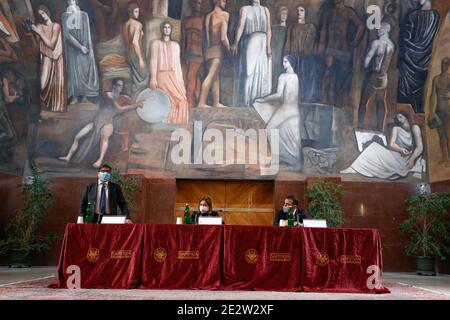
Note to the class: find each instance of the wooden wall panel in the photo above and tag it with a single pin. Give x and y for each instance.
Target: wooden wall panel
(240, 202)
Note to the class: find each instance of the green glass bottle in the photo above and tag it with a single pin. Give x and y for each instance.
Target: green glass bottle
(89, 218)
(291, 217)
(187, 214)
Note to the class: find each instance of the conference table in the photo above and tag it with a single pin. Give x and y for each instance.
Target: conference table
(221, 257)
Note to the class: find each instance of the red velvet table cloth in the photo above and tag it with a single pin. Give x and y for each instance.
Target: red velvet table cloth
(108, 256)
(182, 257)
(223, 257)
(341, 260)
(261, 258)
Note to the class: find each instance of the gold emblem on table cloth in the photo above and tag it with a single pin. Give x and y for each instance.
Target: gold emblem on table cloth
(160, 255)
(93, 255)
(322, 259)
(350, 259)
(251, 256)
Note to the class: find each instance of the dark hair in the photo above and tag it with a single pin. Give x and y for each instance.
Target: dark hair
(291, 60)
(208, 200)
(105, 166)
(44, 8)
(116, 80)
(294, 200)
(161, 28)
(130, 8)
(405, 114)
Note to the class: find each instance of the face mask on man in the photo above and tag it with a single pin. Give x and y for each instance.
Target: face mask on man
(286, 209)
(104, 176)
(204, 209)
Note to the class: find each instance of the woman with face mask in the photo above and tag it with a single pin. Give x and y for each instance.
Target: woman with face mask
(204, 210)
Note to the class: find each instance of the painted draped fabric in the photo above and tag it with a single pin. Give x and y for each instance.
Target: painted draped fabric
(415, 54)
(82, 74)
(170, 80)
(380, 162)
(254, 68)
(52, 76)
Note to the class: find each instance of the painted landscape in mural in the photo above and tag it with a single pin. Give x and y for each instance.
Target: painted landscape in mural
(227, 89)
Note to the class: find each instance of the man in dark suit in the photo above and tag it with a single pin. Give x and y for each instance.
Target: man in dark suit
(103, 197)
(282, 214)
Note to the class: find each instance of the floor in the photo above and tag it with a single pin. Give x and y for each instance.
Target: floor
(31, 284)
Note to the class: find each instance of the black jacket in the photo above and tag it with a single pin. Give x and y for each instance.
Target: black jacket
(115, 197)
(197, 214)
(300, 214)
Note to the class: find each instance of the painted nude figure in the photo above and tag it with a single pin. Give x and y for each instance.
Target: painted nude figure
(216, 23)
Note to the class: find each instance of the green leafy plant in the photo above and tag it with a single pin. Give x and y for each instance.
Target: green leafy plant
(427, 225)
(130, 185)
(324, 202)
(22, 231)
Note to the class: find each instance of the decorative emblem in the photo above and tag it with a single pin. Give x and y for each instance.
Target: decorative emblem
(160, 255)
(251, 256)
(93, 255)
(322, 259)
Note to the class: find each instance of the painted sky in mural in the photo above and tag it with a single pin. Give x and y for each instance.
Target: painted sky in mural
(226, 89)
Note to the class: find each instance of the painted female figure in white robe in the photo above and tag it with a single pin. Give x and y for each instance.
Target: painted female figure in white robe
(401, 157)
(253, 74)
(280, 111)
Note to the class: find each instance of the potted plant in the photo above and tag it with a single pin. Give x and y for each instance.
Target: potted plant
(21, 234)
(324, 202)
(129, 185)
(428, 227)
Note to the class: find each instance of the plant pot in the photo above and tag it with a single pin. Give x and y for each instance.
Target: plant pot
(18, 258)
(425, 266)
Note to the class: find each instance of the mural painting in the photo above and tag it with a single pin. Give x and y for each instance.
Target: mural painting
(239, 89)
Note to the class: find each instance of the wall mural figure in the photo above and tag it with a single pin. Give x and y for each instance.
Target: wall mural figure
(132, 37)
(253, 74)
(101, 128)
(416, 45)
(166, 74)
(279, 35)
(402, 156)
(16, 99)
(440, 110)
(377, 60)
(52, 74)
(81, 68)
(301, 44)
(280, 111)
(102, 12)
(336, 46)
(192, 50)
(119, 16)
(221, 53)
(216, 29)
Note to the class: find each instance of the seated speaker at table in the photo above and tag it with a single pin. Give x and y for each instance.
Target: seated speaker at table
(204, 210)
(282, 214)
(103, 197)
